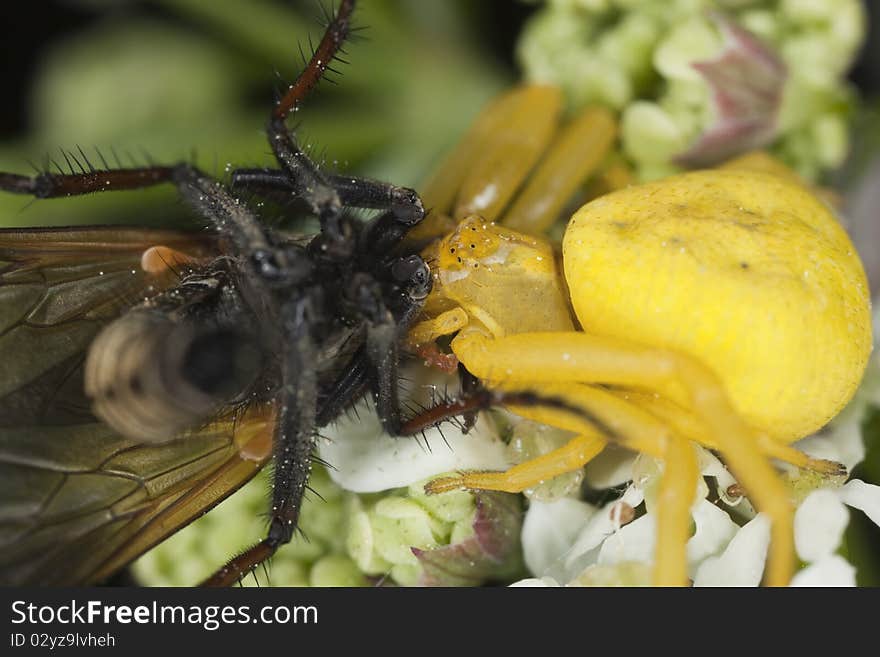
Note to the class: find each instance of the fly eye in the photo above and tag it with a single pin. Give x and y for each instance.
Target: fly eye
(405, 269)
(413, 274)
(411, 269)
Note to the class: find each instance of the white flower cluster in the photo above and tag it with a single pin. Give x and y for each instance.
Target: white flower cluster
(694, 80)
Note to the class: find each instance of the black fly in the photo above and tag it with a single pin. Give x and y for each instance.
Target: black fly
(250, 334)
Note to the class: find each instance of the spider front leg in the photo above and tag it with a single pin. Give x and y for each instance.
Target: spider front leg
(578, 357)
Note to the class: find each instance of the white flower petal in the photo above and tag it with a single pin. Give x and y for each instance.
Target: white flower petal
(611, 467)
(714, 531)
(549, 530)
(365, 460)
(819, 524)
(711, 466)
(843, 440)
(832, 570)
(862, 496)
(742, 562)
(598, 528)
(634, 542)
(535, 582)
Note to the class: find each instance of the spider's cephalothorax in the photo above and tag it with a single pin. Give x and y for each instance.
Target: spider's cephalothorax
(308, 325)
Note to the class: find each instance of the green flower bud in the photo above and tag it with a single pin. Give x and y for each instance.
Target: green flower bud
(400, 524)
(336, 570)
(196, 551)
(359, 543)
(694, 40)
(762, 23)
(830, 135)
(452, 507)
(451, 539)
(558, 49)
(650, 134)
(490, 550)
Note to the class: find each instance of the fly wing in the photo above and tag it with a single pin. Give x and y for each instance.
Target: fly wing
(58, 288)
(80, 502)
(77, 500)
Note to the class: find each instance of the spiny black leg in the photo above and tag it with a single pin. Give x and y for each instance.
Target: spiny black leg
(484, 399)
(59, 185)
(402, 202)
(375, 364)
(388, 315)
(328, 48)
(294, 443)
(204, 194)
(347, 387)
(228, 214)
(305, 178)
(382, 351)
(295, 436)
(386, 325)
(470, 385)
(306, 181)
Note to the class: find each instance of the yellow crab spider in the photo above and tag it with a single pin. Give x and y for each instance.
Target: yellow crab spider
(725, 307)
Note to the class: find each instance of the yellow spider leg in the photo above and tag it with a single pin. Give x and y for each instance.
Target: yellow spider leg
(636, 429)
(790, 455)
(574, 156)
(575, 454)
(554, 357)
(510, 149)
(445, 323)
(686, 424)
(632, 427)
(531, 109)
(440, 190)
(601, 413)
(677, 491)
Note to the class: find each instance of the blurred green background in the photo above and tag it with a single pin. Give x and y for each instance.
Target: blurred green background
(166, 80)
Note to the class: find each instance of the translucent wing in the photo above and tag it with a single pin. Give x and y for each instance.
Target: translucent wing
(78, 501)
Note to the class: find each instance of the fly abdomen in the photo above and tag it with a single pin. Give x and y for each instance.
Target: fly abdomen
(150, 377)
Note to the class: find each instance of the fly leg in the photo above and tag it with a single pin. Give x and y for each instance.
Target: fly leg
(294, 444)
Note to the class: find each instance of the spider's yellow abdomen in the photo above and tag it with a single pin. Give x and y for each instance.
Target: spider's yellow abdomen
(747, 272)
